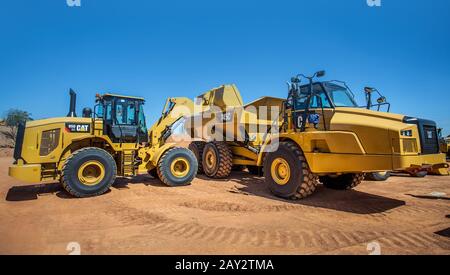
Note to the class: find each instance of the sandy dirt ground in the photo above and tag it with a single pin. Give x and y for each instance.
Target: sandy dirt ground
(6, 152)
(4, 142)
(235, 216)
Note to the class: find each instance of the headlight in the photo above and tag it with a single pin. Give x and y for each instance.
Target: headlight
(406, 133)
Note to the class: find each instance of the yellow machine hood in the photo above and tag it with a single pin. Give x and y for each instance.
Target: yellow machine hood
(370, 113)
(43, 122)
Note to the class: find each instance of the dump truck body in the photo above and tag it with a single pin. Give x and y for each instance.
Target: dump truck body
(220, 115)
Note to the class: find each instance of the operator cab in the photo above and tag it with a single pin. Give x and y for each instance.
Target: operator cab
(123, 118)
(330, 94)
(305, 100)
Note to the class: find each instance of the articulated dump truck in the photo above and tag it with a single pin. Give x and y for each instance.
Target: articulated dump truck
(318, 134)
(87, 153)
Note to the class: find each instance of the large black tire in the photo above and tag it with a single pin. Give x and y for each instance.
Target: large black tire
(300, 183)
(217, 160)
(89, 163)
(197, 148)
(342, 182)
(378, 176)
(177, 167)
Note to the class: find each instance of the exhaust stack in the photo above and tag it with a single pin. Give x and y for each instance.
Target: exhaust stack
(73, 104)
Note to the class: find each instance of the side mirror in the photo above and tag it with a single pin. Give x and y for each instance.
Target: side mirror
(320, 74)
(381, 100)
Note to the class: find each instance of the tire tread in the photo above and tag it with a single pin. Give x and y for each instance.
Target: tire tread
(199, 146)
(65, 171)
(160, 167)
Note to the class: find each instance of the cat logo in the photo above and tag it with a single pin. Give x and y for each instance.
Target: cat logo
(77, 128)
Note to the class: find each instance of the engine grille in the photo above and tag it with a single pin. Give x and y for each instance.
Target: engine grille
(429, 140)
(410, 146)
(49, 142)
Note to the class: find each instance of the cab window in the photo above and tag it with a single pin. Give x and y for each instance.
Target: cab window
(142, 122)
(108, 111)
(341, 98)
(125, 112)
(319, 100)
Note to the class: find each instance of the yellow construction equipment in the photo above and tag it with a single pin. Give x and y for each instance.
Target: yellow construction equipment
(415, 170)
(229, 134)
(322, 136)
(87, 153)
(446, 147)
(444, 143)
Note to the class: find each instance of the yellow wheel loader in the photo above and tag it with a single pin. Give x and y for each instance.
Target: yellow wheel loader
(321, 135)
(87, 153)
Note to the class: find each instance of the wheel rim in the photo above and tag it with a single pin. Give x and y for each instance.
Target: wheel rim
(91, 173)
(210, 159)
(280, 171)
(180, 167)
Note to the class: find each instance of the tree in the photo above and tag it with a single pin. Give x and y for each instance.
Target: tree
(12, 119)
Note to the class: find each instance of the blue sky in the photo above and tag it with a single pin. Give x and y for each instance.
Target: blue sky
(157, 49)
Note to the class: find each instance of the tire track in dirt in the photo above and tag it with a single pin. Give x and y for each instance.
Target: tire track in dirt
(331, 239)
(215, 206)
(373, 212)
(192, 230)
(130, 215)
(408, 240)
(417, 209)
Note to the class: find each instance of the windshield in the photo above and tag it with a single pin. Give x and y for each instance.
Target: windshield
(325, 95)
(125, 112)
(340, 96)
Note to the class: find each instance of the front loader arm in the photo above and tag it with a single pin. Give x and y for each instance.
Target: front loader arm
(174, 109)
